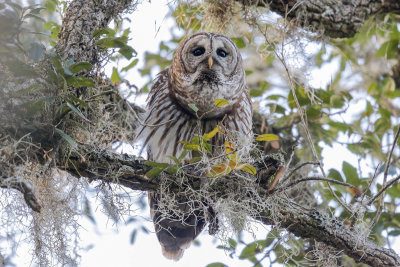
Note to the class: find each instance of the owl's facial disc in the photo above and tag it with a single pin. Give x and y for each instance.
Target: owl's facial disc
(212, 69)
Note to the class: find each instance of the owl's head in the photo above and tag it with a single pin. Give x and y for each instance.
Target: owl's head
(207, 66)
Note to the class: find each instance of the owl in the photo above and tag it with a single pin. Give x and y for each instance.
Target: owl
(206, 67)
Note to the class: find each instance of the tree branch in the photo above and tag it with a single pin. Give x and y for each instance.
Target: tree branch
(323, 228)
(306, 223)
(337, 18)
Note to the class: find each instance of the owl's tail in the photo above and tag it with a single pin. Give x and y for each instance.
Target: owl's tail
(176, 232)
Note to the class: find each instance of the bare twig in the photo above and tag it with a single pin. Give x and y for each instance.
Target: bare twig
(389, 184)
(297, 168)
(312, 178)
(384, 185)
(371, 181)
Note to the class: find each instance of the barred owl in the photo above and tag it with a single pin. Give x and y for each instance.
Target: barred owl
(206, 66)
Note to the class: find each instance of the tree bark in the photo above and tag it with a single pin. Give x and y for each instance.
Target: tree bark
(302, 222)
(82, 18)
(338, 18)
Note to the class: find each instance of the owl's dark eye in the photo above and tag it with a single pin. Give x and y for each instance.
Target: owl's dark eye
(221, 52)
(198, 51)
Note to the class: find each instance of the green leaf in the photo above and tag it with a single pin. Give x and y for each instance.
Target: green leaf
(252, 249)
(388, 49)
(193, 147)
(175, 159)
(115, 76)
(156, 164)
(267, 137)
(154, 172)
(232, 243)
(351, 174)
(336, 101)
(247, 168)
(195, 159)
(217, 264)
(107, 31)
(389, 85)
(73, 98)
(240, 42)
(79, 81)
(334, 174)
(131, 65)
(394, 232)
(34, 16)
(127, 51)
(193, 107)
(183, 155)
(112, 42)
(67, 138)
(173, 170)
(313, 112)
(36, 10)
(77, 111)
(221, 102)
(77, 67)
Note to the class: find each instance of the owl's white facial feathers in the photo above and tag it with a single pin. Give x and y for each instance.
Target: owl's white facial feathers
(224, 80)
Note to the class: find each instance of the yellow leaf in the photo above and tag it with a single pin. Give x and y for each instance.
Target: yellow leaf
(247, 168)
(211, 134)
(232, 164)
(229, 147)
(267, 137)
(219, 170)
(221, 102)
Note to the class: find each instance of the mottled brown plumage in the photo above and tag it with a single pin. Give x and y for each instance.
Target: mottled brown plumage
(206, 67)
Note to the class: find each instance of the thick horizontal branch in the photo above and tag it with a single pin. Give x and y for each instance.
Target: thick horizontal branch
(107, 166)
(130, 172)
(337, 18)
(323, 228)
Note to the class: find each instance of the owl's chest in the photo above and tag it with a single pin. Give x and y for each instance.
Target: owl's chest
(170, 140)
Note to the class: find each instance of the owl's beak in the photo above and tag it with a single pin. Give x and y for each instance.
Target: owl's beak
(210, 62)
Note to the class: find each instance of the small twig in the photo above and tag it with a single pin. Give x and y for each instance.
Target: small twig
(389, 184)
(312, 178)
(389, 157)
(297, 168)
(384, 185)
(371, 181)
